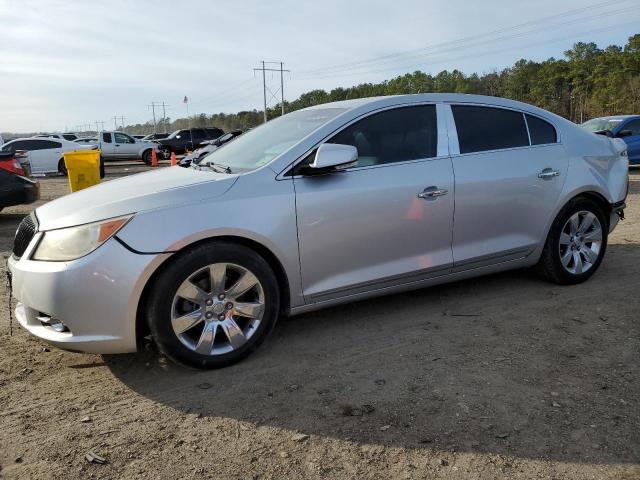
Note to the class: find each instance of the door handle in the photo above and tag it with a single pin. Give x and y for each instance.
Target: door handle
(431, 193)
(548, 174)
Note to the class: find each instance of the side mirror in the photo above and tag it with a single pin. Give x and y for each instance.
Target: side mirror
(334, 157)
(624, 133)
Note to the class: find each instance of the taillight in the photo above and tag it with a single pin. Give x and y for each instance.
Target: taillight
(12, 165)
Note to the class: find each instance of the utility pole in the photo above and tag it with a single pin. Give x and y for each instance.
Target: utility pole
(153, 109)
(115, 121)
(264, 84)
(164, 117)
(101, 123)
(282, 87)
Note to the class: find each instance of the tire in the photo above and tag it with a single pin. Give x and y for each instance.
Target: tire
(569, 259)
(166, 153)
(183, 329)
(146, 157)
(62, 168)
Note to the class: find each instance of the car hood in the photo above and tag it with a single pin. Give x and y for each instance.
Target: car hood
(135, 193)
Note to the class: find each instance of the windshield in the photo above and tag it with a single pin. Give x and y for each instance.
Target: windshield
(174, 134)
(264, 143)
(599, 124)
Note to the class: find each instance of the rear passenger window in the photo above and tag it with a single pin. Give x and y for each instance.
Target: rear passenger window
(485, 128)
(397, 135)
(106, 137)
(541, 131)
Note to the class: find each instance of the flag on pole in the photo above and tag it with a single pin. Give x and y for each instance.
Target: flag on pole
(185, 99)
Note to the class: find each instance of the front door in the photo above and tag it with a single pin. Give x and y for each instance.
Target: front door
(125, 146)
(384, 222)
(509, 176)
(632, 139)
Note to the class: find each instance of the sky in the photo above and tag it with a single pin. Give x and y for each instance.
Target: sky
(64, 64)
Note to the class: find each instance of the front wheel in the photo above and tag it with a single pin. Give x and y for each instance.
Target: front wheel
(146, 157)
(213, 305)
(576, 243)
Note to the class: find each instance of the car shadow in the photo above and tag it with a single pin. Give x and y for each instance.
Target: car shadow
(504, 364)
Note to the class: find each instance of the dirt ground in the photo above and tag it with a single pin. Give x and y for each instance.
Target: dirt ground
(504, 376)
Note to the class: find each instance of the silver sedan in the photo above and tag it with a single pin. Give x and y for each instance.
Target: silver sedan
(325, 205)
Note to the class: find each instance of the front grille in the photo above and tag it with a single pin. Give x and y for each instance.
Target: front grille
(26, 230)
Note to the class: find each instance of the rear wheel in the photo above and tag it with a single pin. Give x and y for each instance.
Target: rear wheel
(213, 305)
(576, 243)
(146, 157)
(62, 168)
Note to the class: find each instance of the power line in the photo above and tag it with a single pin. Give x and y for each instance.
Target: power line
(506, 49)
(354, 72)
(264, 69)
(450, 44)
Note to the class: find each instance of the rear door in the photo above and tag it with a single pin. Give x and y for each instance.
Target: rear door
(509, 173)
(198, 136)
(106, 145)
(372, 226)
(44, 155)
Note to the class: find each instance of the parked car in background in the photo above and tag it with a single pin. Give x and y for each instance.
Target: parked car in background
(119, 146)
(626, 127)
(91, 140)
(155, 136)
(182, 140)
(16, 186)
(326, 205)
(208, 147)
(62, 136)
(46, 155)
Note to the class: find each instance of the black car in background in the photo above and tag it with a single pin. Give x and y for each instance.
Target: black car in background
(208, 147)
(155, 136)
(187, 139)
(16, 188)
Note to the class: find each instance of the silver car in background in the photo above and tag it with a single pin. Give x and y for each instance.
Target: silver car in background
(325, 205)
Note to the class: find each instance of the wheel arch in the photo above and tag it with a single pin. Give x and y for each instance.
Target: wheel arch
(142, 330)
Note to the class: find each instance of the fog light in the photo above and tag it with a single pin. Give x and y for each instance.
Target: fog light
(52, 322)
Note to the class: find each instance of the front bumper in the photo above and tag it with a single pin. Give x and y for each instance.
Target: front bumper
(96, 297)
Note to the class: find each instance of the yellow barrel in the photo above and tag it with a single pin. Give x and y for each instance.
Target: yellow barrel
(83, 168)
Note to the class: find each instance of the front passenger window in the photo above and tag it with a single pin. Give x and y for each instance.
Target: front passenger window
(397, 135)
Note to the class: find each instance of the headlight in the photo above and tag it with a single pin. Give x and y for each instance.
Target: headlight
(75, 242)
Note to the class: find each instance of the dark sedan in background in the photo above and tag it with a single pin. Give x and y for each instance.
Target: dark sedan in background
(16, 188)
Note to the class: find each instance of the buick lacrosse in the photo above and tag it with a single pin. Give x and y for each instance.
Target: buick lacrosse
(325, 205)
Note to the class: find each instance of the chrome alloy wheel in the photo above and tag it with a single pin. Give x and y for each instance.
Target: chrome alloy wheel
(217, 309)
(580, 242)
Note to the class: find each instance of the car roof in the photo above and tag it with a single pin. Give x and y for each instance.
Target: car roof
(372, 103)
(616, 117)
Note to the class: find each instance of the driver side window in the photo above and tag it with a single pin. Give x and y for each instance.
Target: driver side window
(397, 135)
(122, 138)
(633, 126)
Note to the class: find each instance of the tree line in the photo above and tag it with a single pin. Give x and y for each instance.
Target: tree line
(587, 82)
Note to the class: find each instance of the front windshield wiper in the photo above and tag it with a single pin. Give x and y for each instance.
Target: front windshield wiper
(216, 167)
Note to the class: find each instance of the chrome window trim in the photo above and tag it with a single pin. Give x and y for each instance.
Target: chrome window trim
(439, 125)
(454, 139)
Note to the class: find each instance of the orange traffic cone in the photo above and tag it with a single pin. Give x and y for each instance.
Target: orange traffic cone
(174, 161)
(154, 158)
